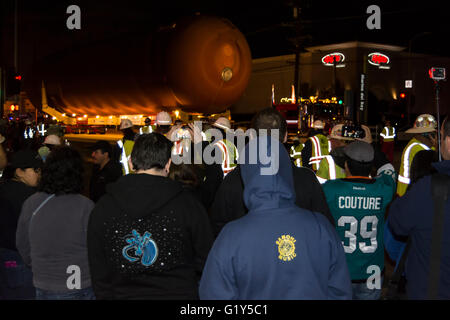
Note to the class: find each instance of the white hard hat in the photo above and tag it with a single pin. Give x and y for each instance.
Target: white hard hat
(336, 133)
(424, 123)
(318, 124)
(52, 139)
(163, 119)
(222, 123)
(125, 123)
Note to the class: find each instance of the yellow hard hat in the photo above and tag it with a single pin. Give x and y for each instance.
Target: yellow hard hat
(424, 123)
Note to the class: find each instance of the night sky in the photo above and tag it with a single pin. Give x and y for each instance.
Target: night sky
(42, 24)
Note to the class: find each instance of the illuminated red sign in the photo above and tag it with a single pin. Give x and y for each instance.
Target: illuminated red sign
(331, 58)
(377, 59)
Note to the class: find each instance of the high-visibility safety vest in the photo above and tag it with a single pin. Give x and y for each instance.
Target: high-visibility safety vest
(321, 147)
(408, 155)
(126, 149)
(146, 129)
(230, 155)
(388, 134)
(296, 154)
(329, 170)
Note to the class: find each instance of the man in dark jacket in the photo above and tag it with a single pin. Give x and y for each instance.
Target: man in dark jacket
(276, 251)
(105, 170)
(147, 237)
(229, 204)
(412, 215)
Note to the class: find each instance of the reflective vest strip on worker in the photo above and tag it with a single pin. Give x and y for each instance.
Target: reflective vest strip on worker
(123, 158)
(331, 167)
(226, 157)
(404, 177)
(295, 153)
(321, 180)
(386, 136)
(317, 151)
(177, 148)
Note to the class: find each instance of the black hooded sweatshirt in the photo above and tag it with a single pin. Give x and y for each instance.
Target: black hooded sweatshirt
(148, 238)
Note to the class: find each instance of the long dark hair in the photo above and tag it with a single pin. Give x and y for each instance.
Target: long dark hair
(62, 172)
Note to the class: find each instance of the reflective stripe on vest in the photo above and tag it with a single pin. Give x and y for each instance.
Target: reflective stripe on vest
(315, 160)
(295, 153)
(148, 129)
(331, 167)
(331, 170)
(226, 168)
(386, 136)
(321, 180)
(405, 177)
(123, 158)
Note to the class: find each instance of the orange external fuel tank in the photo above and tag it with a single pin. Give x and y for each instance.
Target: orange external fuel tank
(200, 64)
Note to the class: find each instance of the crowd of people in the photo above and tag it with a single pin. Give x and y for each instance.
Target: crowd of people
(262, 221)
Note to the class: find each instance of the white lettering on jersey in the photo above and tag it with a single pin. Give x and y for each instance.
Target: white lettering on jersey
(359, 202)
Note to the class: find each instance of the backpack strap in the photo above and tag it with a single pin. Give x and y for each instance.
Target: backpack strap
(440, 194)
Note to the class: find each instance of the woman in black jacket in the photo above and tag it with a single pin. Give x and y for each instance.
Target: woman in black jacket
(19, 182)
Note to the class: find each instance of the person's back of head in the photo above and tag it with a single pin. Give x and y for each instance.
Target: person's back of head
(270, 119)
(128, 134)
(359, 158)
(62, 172)
(184, 173)
(151, 151)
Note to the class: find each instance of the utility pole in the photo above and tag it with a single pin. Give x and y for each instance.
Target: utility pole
(296, 14)
(15, 37)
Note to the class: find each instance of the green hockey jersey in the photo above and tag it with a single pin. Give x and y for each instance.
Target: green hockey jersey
(358, 206)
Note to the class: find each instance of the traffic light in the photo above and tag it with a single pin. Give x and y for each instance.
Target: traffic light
(402, 95)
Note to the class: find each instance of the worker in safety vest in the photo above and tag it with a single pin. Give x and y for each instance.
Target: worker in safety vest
(316, 147)
(164, 124)
(147, 128)
(126, 144)
(387, 141)
(332, 166)
(296, 152)
(424, 139)
(225, 147)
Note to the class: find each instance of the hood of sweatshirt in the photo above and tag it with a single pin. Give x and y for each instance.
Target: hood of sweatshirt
(267, 175)
(137, 194)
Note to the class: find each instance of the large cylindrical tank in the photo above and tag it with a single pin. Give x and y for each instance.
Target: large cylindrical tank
(201, 64)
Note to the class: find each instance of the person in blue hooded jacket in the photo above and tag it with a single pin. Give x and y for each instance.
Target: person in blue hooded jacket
(412, 216)
(278, 250)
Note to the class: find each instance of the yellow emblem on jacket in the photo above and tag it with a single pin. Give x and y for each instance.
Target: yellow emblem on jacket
(286, 247)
